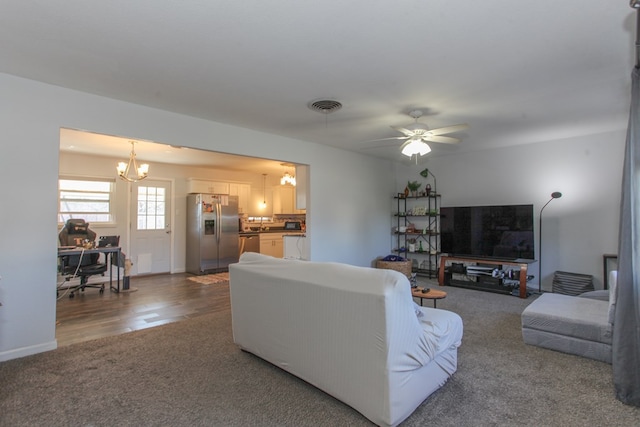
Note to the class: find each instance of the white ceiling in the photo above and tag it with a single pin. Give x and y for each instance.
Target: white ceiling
(516, 72)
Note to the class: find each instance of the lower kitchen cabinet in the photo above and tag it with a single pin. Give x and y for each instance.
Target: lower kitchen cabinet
(271, 244)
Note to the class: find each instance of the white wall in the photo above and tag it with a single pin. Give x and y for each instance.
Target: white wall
(348, 203)
(578, 228)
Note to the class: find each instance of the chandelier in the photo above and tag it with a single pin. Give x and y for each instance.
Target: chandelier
(287, 178)
(126, 169)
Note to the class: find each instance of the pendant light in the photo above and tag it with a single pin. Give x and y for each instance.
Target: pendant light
(263, 205)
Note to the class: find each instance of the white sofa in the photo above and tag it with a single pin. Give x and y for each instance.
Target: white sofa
(580, 325)
(353, 332)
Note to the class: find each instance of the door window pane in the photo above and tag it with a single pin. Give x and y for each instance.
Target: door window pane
(151, 208)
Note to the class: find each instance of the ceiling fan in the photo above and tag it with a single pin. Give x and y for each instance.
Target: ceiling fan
(418, 134)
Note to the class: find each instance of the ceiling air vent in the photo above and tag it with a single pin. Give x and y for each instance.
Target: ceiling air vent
(325, 106)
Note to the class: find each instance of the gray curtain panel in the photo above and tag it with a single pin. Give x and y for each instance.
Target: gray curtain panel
(626, 327)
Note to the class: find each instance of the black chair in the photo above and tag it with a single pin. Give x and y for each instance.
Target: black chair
(76, 233)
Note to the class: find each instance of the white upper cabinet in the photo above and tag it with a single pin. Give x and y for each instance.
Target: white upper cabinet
(301, 187)
(284, 200)
(204, 186)
(243, 191)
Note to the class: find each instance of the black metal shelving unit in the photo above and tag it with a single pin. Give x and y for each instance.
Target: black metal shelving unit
(426, 234)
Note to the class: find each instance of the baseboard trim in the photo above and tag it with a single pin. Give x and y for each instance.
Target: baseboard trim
(28, 351)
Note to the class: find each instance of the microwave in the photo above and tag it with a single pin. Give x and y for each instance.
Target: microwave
(292, 225)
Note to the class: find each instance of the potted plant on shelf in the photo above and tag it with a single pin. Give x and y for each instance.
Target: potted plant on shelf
(413, 187)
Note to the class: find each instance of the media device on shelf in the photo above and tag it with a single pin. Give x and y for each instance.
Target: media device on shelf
(498, 232)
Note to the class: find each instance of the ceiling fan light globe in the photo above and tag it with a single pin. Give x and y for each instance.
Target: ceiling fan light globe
(424, 149)
(415, 146)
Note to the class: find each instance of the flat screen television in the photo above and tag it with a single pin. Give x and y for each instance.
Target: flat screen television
(497, 232)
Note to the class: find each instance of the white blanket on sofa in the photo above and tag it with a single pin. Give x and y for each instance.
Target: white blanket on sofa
(353, 332)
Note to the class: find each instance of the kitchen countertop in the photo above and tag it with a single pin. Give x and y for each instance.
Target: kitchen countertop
(271, 230)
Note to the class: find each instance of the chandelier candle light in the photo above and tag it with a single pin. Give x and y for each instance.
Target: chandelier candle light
(124, 169)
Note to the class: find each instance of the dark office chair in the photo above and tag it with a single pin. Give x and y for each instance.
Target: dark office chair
(76, 233)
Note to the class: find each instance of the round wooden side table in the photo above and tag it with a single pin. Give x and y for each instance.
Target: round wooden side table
(433, 294)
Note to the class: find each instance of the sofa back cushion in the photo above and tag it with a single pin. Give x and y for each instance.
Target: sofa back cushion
(355, 309)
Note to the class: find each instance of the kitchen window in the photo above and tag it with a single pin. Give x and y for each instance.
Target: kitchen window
(86, 198)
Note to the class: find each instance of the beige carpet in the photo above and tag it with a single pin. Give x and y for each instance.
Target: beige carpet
(190, 373)
(210, 279)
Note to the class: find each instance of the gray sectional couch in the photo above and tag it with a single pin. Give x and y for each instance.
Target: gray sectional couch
(579, 325)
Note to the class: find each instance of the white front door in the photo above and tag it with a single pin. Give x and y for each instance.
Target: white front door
(150, 227)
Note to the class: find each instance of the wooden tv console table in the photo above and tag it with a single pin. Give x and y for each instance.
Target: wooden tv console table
(522, 265)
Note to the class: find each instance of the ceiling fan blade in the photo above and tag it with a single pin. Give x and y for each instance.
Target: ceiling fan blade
(407, 132)
(370, 147)
(449, 129)
(384, 139)
(441, 139)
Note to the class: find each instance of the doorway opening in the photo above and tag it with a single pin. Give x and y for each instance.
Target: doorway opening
(150, 214)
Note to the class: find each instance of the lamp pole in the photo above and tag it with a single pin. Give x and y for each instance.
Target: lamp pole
(554, 195)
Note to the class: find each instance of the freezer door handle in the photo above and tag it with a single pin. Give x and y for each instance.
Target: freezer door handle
(219, 225)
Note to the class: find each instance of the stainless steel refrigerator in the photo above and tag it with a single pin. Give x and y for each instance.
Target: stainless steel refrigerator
(212, 232)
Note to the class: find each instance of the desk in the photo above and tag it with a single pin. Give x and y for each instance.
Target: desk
(109, 253)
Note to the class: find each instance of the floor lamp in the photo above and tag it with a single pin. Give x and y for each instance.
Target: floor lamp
(554, 195)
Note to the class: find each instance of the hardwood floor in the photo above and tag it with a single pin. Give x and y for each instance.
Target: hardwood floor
(159, 299)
